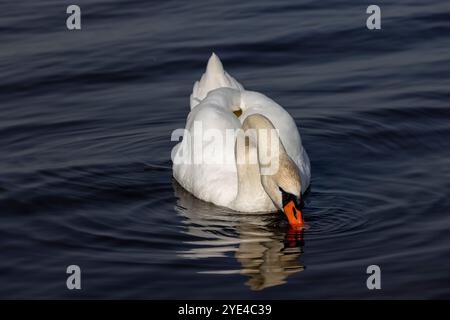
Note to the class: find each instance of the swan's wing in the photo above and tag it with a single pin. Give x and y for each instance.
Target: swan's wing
(214, 77)
(204, 162)
(254, 102)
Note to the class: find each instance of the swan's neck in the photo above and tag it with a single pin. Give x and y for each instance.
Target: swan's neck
(255, 158)
(247, 162)
(250, 190)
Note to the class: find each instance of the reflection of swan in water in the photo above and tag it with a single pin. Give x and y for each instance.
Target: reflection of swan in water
(267, 249)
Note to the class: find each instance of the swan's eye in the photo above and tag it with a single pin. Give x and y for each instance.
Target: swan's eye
(238, 112)
(287, 197)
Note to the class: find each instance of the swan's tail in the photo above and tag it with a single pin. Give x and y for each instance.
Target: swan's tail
(214, 77)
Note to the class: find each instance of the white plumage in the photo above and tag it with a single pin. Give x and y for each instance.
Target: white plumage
(213, 100)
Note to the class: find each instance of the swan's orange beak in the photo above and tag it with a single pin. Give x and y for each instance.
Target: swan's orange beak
(293, 214)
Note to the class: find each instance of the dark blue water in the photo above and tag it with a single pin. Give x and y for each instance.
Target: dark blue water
(83, 113)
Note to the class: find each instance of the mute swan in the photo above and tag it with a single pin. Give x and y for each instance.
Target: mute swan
(221, 173)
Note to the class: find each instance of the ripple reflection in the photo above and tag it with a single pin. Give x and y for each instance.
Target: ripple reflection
(267, 250)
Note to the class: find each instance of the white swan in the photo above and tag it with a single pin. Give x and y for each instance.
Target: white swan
(220, 105)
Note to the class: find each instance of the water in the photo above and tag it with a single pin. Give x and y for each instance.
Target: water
(83, 113)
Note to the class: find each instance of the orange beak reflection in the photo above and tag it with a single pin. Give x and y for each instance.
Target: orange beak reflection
(294, 215)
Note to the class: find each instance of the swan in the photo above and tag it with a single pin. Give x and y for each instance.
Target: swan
(218, 161)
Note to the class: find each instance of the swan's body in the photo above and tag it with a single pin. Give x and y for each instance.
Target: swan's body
(214, 99)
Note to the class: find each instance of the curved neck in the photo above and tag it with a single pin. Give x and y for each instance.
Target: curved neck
(258, 151)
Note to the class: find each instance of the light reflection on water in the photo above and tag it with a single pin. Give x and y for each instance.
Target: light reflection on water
(268, 251)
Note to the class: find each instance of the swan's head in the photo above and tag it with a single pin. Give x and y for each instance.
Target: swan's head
(283, 185)
(284, 188)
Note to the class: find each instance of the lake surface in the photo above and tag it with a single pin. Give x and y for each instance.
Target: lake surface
(85, 124)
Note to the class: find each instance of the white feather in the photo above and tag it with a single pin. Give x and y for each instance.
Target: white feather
(212, 101)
